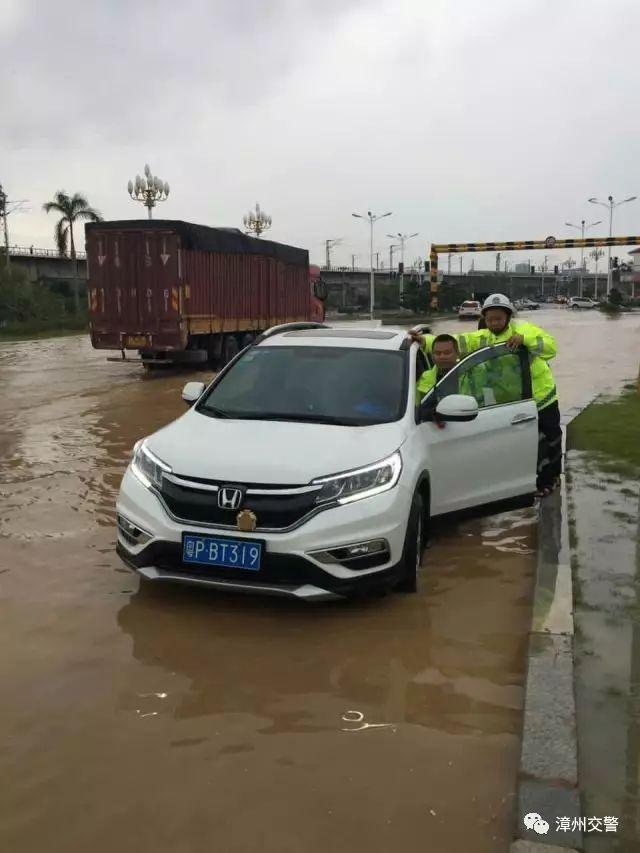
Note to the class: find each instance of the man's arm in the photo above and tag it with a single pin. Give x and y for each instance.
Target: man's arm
(425, 342)
(537, 341)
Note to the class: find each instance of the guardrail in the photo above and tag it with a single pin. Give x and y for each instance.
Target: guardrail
(34, 252)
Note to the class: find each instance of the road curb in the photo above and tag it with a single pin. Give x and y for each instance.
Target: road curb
(547, 781)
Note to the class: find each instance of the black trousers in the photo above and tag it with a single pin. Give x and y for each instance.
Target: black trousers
(549, 445)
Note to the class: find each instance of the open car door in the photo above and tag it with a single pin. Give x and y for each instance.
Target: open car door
(494, 456)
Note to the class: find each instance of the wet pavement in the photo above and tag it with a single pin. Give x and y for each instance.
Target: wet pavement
(605, 513)
(182, 720)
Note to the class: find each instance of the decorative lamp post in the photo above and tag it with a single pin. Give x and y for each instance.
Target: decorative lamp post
(257, 221)
(148, 190)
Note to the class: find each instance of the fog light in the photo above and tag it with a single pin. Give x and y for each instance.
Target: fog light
(131, 533)
(365, 548)
(356, 556)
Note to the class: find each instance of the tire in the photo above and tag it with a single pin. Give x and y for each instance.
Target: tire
(230, 349)
(575, 307)
(413, 546)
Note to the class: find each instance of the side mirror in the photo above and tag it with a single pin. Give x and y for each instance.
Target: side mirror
(320, 290)
(192, 392)
(457, 407)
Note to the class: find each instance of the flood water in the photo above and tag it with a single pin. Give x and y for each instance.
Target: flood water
(185, 720)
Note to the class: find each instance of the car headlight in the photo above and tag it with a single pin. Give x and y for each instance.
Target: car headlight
(361, 482)
(147, 467)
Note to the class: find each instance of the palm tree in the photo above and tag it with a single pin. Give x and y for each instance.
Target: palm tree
(71, 208)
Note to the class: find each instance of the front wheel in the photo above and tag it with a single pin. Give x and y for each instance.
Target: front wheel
(575, 307)
(413, 544)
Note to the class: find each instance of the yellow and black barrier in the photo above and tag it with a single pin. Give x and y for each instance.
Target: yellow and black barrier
(513, 246)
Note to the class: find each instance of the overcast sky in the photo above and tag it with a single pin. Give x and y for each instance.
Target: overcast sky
(468, 120)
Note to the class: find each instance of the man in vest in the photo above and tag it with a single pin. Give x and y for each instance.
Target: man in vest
(498, 314)
(445, 354)
(444, 351)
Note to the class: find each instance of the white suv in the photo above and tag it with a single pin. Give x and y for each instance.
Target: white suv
(577, 302)
(470, 309)
(306, 469)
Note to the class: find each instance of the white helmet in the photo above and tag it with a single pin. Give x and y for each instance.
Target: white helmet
(498, 300)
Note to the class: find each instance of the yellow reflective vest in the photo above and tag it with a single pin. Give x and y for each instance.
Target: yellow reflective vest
(541, 345)
(469, 383)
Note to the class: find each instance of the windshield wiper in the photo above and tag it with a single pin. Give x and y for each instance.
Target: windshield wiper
(290, 416)
(218, 413)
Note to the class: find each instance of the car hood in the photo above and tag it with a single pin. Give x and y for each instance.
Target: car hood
(270, 452)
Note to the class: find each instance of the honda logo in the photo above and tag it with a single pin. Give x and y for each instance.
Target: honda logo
(229, 498)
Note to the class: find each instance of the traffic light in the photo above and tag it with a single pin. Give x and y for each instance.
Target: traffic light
(427, 266)
(614, 262)
(400, 268)
(555, 270)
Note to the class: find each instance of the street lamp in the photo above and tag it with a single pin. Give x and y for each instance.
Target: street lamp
(611, 205)
(373, 218)
(403, 239)
(148, 190)
(582, 228)
(257, 221)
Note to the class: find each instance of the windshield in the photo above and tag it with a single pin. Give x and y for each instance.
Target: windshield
(470, 304)
(336, 385)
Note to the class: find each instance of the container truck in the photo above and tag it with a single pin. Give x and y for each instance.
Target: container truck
(178, 292)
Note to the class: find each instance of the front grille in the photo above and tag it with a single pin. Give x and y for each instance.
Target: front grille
(198, 502)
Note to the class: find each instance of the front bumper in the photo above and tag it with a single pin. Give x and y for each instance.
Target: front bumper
(290, 577)
(290, 565)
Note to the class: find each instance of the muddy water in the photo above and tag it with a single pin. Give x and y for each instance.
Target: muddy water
(174, 720)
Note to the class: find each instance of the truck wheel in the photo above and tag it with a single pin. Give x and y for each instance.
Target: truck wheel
(230, 349)
(413, 545)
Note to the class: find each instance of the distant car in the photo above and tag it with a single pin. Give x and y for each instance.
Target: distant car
(526, 305)
(470, 310)
(579, 302)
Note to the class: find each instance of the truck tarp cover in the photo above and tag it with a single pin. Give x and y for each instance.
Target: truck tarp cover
(207, 239)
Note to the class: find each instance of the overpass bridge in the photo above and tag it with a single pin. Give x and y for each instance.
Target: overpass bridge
(47, 265)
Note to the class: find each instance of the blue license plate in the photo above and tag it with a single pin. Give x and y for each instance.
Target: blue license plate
(214, 551)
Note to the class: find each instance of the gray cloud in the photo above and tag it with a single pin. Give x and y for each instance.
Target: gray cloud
(470, 121)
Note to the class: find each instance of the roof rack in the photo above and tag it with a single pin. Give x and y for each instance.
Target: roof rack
(289, 327)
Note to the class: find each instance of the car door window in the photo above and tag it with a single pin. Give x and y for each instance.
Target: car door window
(494, 376)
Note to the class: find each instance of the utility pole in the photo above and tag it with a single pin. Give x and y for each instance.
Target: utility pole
(498, 262)
(3, 214)
(544, 269)
(328, 246)
(353, 263)
(460, 264)
(596, 255)
(449, 263)
(392, 249)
